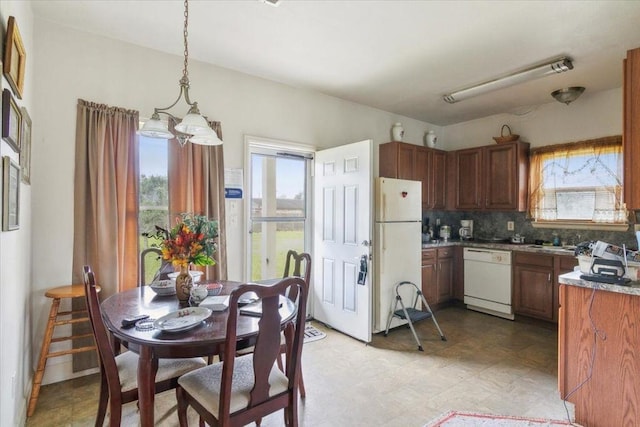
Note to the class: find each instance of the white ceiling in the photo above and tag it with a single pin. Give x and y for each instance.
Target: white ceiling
(398, 56)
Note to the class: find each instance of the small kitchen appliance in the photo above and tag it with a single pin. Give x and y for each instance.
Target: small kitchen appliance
(466, 229)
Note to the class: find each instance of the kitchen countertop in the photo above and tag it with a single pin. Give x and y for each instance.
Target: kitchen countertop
(523, 247)
(573, 279)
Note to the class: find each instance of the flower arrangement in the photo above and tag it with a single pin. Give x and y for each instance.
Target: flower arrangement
(190, 241)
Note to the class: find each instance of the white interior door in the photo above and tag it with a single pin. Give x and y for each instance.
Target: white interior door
(342, 232)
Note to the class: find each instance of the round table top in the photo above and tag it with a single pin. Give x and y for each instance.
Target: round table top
(211, 331)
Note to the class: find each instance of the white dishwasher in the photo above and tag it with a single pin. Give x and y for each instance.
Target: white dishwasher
(487, 281)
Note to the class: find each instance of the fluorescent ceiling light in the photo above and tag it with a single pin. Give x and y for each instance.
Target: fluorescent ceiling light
(558, 66)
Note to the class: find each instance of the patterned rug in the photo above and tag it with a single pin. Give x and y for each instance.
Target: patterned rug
(470, 419)
(312, 334)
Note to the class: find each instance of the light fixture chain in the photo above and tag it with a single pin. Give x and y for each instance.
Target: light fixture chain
(185, 33)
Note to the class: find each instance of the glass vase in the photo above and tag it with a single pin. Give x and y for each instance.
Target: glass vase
(184, 283)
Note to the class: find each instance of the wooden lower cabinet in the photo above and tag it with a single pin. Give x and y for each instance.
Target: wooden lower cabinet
(444, 275)
(429, 289)
(599, 371)
(535, 283)
(437, 275)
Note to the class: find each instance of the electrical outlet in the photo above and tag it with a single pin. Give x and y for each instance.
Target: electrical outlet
(510, 225)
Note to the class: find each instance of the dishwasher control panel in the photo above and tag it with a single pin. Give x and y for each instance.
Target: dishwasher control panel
(488, 255)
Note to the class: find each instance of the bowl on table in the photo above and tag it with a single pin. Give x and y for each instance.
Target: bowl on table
(164, 287)
(214, 288)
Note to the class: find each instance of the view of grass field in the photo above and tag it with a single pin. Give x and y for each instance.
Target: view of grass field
(285, 241)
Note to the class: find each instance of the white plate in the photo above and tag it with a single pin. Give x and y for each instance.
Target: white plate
(182, 319)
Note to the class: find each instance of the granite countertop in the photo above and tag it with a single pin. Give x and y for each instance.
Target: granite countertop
(523, 247)
(573, 279)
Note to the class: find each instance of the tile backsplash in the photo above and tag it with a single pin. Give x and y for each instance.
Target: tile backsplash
(494, 224)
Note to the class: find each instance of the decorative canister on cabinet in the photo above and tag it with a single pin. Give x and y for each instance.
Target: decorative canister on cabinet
(430, 139)
(397, 132)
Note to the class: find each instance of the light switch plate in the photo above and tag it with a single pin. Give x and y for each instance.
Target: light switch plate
(510, 225)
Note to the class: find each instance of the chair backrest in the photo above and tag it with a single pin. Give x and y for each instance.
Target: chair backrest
(293, 267)
(267, 345)
(107, 357)
(149, 257)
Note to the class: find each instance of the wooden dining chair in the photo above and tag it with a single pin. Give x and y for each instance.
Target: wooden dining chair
(119, 382)
(294, 267)
(244, 389)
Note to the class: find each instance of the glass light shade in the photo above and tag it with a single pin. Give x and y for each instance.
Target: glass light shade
(208, 138)
(567, 95)
(154, 128)
(193, 124)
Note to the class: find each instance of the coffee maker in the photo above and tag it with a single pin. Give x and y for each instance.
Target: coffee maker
(466, 229)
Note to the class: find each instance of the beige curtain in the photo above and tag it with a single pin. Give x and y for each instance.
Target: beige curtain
(542, 194)
(105, 201)
(106, 196)
(196, 185)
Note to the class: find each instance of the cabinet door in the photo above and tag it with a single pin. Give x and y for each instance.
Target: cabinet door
(429, 276)
(501, 185)
(533, 291)
(562, 264)
(406, 161)
(438, 185)
(468, 164)
(429, 283)
(445, 279)
(631, 129)
(423, 158)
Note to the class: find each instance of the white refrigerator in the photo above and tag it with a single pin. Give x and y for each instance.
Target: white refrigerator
(397, 245)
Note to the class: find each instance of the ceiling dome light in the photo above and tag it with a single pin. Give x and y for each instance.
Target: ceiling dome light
(568, 94)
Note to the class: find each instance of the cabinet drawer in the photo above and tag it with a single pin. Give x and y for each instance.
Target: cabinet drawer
(445, 253)
(533, 259)
(428, 256)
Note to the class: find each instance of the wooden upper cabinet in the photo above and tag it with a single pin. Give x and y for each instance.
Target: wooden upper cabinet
(438, 177)
(493, 177)
(397, 160)
(422, 174)
(427, 165)
(507, 176)
(468, 179)
(631, 129)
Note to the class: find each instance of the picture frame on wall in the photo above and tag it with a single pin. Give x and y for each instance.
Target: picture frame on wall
(11, 120)
(25, 146)
(15, 58)
(10, 194)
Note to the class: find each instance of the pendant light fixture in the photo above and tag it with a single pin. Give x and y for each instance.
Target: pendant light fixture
(194, 127)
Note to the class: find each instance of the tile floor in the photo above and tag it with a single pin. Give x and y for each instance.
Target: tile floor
(487, 364)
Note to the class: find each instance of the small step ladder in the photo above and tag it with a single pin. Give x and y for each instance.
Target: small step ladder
(412, 314)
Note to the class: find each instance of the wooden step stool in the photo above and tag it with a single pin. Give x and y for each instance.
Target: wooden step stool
(70, 291)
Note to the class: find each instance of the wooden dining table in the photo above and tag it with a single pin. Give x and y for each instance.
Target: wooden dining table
(201, 341)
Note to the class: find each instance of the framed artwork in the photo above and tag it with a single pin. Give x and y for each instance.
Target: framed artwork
(11, 120)
(25, 146)
(10, 194)
(15, 58)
